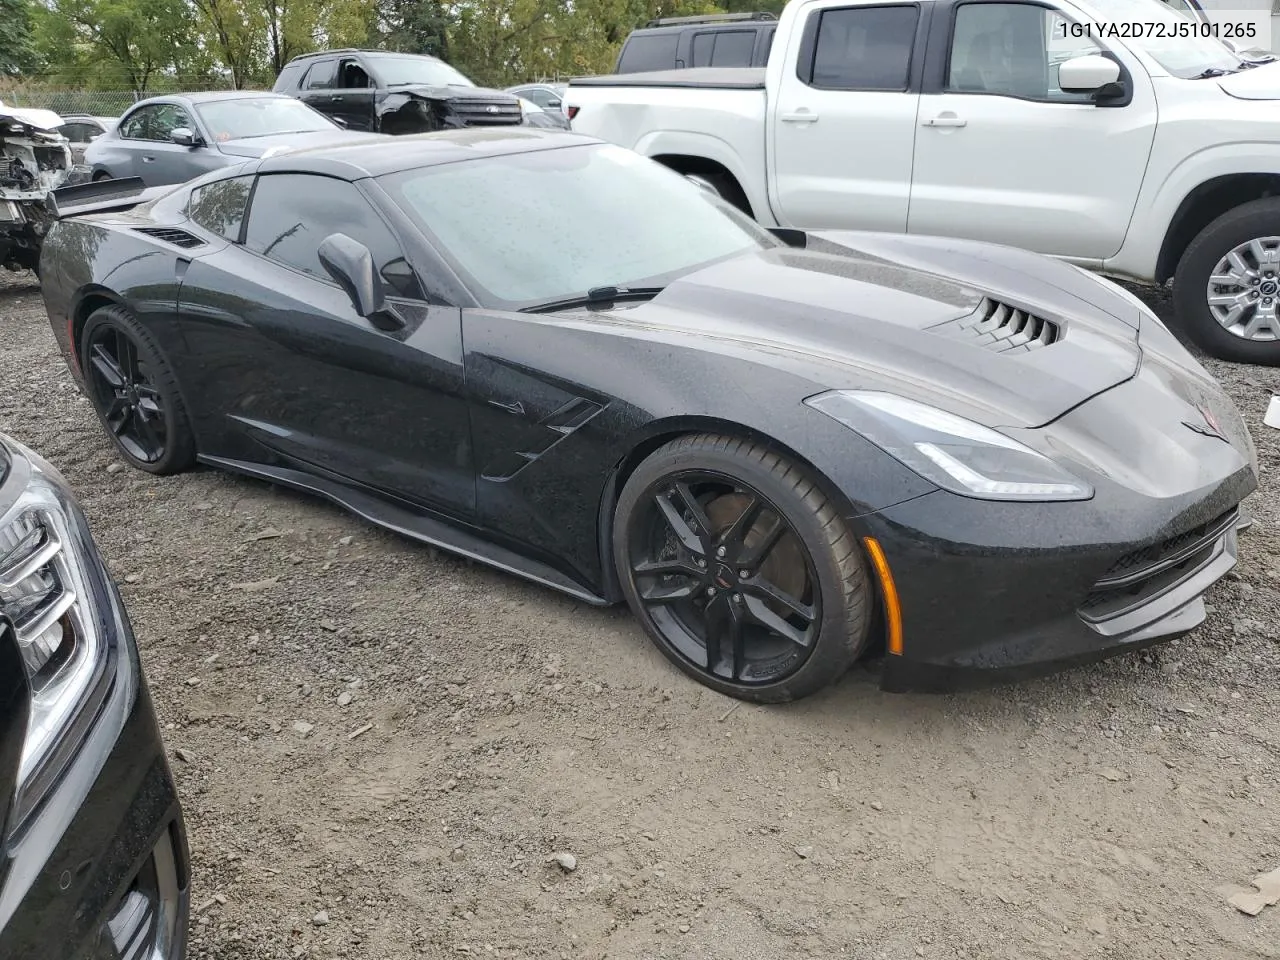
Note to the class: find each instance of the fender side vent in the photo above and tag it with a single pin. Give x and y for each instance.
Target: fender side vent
(1002, 328)
(179, 238)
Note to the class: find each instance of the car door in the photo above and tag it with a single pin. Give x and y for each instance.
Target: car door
(288, 368)
(1003, 154)
(842, 124)
(352, 100)
(319, 87)
(160, 161)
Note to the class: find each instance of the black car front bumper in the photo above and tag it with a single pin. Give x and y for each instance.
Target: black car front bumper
(100, 869)
(994, 591)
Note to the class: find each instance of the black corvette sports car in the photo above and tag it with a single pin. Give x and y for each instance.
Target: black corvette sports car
(558, 357)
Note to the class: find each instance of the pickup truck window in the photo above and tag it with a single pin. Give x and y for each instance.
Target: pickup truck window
(653, 52)
(861, 48)
(323, 75)
(1014, 50)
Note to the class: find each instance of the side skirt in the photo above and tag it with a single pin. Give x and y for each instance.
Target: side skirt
(414, 526)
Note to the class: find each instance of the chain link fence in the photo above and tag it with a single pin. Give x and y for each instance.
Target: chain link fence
(94, 103)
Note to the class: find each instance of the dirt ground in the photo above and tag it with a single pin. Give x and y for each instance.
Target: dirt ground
(380, 748)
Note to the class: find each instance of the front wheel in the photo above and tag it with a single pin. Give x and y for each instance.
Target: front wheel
(741, 570)
(1226, 289)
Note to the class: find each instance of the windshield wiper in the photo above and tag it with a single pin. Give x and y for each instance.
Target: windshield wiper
(1212, 72)
(596, 295)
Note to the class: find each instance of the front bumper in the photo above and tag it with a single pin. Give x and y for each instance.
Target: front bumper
(101, 868)
(991, 592)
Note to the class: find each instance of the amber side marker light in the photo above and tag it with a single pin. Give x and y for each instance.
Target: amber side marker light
(889, 593)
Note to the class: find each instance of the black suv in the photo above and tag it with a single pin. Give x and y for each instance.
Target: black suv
(718, 40)
(394, 93)
(93, 854)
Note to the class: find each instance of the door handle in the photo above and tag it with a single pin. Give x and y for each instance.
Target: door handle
(800, 116)
(148, 159)
(336, 96)
(946, 120)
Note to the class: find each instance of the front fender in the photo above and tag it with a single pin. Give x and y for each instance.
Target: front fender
(1140, 255)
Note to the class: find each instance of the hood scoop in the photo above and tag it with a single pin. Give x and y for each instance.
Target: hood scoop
(1001, 328)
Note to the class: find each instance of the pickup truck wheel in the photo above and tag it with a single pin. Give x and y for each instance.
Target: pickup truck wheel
(1227, 286)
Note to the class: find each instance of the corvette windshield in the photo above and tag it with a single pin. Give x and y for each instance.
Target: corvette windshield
(242, 119)
(550, 225)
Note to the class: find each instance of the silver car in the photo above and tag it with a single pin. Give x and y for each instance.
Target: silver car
(172, 139)
(549, 96)
(82, 129)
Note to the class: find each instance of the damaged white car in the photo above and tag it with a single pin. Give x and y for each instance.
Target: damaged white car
(34, 159)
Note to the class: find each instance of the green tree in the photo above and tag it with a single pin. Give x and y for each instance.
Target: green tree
(17, 51)
(114, 43)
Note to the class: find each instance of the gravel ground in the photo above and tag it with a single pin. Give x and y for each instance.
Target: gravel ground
(380, 750)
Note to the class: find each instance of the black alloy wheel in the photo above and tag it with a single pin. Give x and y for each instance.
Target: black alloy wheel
(740, 570)
(135, 393)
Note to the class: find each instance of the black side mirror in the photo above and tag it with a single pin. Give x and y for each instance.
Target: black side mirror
(350, 264)
(184, 137)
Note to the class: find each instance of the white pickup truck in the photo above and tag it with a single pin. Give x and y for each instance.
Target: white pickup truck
(1146, 151)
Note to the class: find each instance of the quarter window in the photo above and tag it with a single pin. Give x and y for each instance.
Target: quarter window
(723, 48)
(656, 51)
(864, 48)
(292, 214)
(1014, 50)
(219, 206)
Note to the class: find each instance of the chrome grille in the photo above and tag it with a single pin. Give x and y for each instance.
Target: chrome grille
(477, 112)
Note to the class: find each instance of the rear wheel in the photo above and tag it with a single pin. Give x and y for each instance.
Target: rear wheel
(740, 569)
(1227, 285)
(135, 392)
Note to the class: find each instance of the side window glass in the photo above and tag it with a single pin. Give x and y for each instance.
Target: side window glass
(323, 75)
(645, 52)
(166, 119)
(1014, 50)
(733, 48)
(287, 224)
(135, 125)
(864, 48)
(219, 206)
(352, 76)
(703, 45)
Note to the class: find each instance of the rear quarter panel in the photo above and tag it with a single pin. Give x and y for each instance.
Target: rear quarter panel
(724, 126)
(89, 262)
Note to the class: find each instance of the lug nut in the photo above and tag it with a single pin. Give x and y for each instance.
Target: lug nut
(720, 552)
(711, 591)
(701, 562)
(743, 574)
(737, 598)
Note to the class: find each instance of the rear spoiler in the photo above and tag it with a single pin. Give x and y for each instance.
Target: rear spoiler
(100, 196)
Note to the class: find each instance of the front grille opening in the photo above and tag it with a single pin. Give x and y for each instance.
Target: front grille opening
(1002, 328)
(487, 112)
(1146, 573)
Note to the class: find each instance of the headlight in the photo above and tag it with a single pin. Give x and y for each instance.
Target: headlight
(48, 594)
(950, 451)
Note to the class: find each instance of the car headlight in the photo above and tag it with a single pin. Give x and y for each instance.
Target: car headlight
(51, 598)
(955, 453)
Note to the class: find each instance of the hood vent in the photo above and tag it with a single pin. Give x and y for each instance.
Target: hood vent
(179, 238)
(1001, 328)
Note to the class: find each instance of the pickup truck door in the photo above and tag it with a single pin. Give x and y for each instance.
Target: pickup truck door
(843, 121)
(1002, 154)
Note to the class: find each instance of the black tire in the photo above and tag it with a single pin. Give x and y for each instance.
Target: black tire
(178, 450)
(837, 583)
(1256, 219)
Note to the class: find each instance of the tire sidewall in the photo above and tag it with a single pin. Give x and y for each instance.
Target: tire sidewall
(1259, 218)
(834, 651)
(115, 317)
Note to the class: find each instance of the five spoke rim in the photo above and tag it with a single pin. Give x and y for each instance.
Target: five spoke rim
(725, 578)
(1244, 290)
(132, 406)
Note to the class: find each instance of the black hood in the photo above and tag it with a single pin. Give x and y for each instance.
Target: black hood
(862, 321)
(454, 92)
